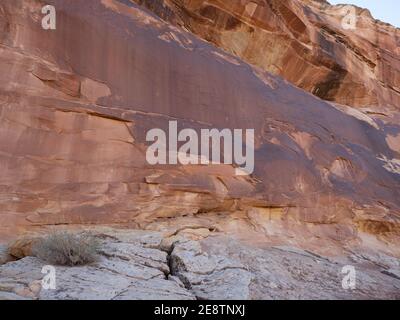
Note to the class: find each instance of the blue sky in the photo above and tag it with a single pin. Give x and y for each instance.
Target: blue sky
(385, 10)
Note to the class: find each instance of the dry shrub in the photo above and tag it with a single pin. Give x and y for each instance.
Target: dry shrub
(68, 249)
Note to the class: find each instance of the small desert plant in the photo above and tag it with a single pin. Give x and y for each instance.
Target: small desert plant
(66, 248)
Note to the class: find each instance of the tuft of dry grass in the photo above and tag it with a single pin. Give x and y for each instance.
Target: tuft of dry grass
(67, 249)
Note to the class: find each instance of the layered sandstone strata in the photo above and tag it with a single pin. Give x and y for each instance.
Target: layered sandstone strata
(318, 47)
(76, 103)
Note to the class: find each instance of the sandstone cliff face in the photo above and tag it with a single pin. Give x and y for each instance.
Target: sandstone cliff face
(303, 41)
(76, 103)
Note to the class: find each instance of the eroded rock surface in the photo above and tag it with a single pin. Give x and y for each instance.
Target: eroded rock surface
(76, 103)
(352, 61)
(134, 265)
(127, 269)
(75, 106)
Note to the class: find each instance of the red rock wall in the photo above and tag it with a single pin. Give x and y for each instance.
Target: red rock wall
(76, 103)
(303, 41)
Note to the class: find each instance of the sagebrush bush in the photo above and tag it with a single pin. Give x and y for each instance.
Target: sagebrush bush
(68, 249)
